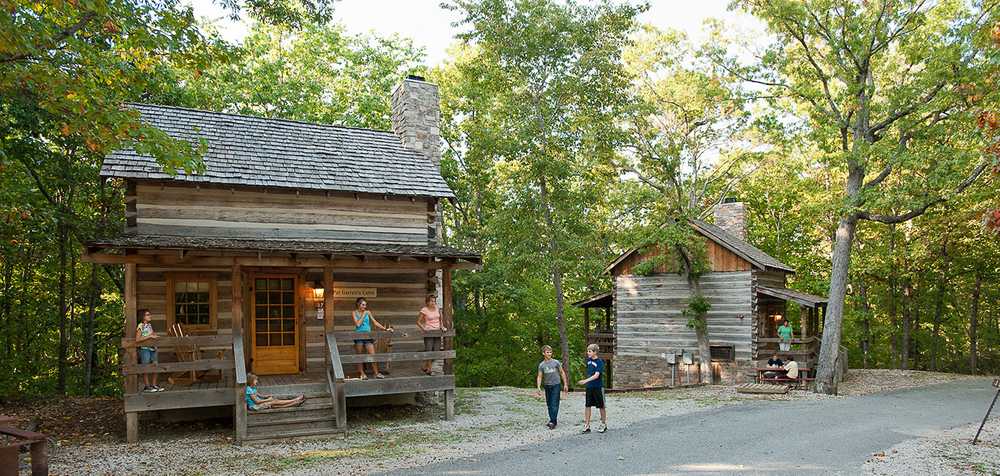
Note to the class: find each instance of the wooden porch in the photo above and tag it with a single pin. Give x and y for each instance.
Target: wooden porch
(211, 370)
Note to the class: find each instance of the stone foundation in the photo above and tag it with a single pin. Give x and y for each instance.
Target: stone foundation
(633, 372)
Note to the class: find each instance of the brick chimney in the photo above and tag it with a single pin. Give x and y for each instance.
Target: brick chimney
(731, 216)
(416, 116)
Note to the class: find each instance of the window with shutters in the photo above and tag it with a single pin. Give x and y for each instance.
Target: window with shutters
(723, 353)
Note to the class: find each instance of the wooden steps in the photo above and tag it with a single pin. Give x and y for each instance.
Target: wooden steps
(316, 416)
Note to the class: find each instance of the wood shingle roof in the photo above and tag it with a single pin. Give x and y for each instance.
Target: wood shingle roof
(262, 152)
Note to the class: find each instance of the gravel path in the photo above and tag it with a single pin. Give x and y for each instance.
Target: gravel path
(943, 452)
(380, 439)
(835, 436)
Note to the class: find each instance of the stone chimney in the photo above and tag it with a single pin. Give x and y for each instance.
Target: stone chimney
(731, 216)
(416, 116)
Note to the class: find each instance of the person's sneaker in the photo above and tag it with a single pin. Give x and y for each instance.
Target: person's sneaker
(549, 425)
(157, 388)
(604, 429)
(147, 388)
(586, 430)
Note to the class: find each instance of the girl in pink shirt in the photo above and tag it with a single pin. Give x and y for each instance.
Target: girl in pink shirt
(429, 320)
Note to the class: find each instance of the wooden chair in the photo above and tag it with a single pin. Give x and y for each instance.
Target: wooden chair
(185, 352)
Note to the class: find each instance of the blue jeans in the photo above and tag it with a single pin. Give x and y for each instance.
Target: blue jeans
(552, 401)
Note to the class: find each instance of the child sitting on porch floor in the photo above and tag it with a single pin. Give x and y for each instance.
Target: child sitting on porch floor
(256, 401)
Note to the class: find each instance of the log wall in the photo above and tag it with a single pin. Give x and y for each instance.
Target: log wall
(650, 323)
(400, 295)
(178, 210)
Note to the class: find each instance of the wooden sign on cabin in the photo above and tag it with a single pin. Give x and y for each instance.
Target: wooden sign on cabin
(367, 293)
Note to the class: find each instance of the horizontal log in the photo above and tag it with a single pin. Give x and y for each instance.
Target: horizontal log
(172, 399)
(168, 341)
(395, 385)
(171, 259)
(398, 357)
(347, 337)
(200, 364)
(284, 232)
(775, 340)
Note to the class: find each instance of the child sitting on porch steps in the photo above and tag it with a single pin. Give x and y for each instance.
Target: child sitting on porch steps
(256, 401)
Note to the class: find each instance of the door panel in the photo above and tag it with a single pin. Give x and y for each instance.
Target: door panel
(274, 322)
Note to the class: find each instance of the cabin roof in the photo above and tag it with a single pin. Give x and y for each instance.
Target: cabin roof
(262, 152)
(727, 240)
(786, 294)
(164, 242)
(604, 299)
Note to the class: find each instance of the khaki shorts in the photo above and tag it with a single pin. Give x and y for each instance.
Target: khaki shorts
(261, 406)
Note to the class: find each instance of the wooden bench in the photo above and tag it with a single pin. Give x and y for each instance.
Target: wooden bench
(37, 444)
(800, 382)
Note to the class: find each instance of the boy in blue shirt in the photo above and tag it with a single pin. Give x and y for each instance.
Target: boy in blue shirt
(595, 389)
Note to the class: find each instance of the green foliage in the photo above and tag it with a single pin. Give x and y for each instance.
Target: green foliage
(697, 308)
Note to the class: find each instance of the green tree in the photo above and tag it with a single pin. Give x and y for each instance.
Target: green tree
(890, 91)
(541, 87)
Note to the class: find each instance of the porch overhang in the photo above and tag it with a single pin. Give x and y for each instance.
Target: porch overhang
(173, 250)
(805, 299)
(600, 300)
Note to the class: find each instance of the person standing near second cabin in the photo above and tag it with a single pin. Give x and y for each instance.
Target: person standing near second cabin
(551, 374)
(363, 322)
(429, 319)
(785, 333)
(595, 388)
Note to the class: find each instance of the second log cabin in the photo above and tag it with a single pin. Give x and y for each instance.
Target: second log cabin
(644, 333)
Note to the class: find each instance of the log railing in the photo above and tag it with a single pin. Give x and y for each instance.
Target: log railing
(335, 379)
(240, 385)
(604, 339)
(172, 344)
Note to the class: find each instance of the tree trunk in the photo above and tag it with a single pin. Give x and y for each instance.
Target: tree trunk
(833, 322)
(61, 377)
(866, 324)
(556, 274)
(974, 324)
(893, 310)
(88, 336)
(904, 349)
(939, 309)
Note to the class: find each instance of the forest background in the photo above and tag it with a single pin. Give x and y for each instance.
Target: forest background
(572, 132)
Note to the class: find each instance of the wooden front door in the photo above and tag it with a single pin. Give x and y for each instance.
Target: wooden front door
(275, 325)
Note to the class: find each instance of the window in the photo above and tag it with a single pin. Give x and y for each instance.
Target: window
(191, 302)
(722, 353)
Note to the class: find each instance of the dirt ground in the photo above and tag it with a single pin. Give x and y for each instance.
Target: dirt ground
(87, 434)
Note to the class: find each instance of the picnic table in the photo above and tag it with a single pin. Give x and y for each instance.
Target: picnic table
(799, 381)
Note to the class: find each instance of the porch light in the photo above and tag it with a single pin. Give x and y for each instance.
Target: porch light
(318, 291)
(777, 317)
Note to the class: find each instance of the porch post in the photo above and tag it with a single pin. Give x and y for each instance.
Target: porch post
(131, 380)
(448, 320)
(804, 320)
(239, 406)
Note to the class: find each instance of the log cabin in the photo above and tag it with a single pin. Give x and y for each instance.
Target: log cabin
(254, 264)
(644, 334)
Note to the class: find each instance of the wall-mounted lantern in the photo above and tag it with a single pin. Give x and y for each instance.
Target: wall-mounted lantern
(318, 293)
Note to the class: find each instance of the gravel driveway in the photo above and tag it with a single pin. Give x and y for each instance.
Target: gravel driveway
(834, 436)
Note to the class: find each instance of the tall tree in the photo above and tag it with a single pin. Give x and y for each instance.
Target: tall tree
(891, 90)
(550, 85)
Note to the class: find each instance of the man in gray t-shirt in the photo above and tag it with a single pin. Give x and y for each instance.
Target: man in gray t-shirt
(551, 374)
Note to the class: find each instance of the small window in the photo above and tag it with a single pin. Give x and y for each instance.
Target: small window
(722, 353)
(191, 302)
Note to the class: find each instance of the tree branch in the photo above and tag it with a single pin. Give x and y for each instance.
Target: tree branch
(891, 219)
(62, 36)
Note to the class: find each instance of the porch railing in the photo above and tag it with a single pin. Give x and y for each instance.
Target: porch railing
(335, 379)
(193, 346)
